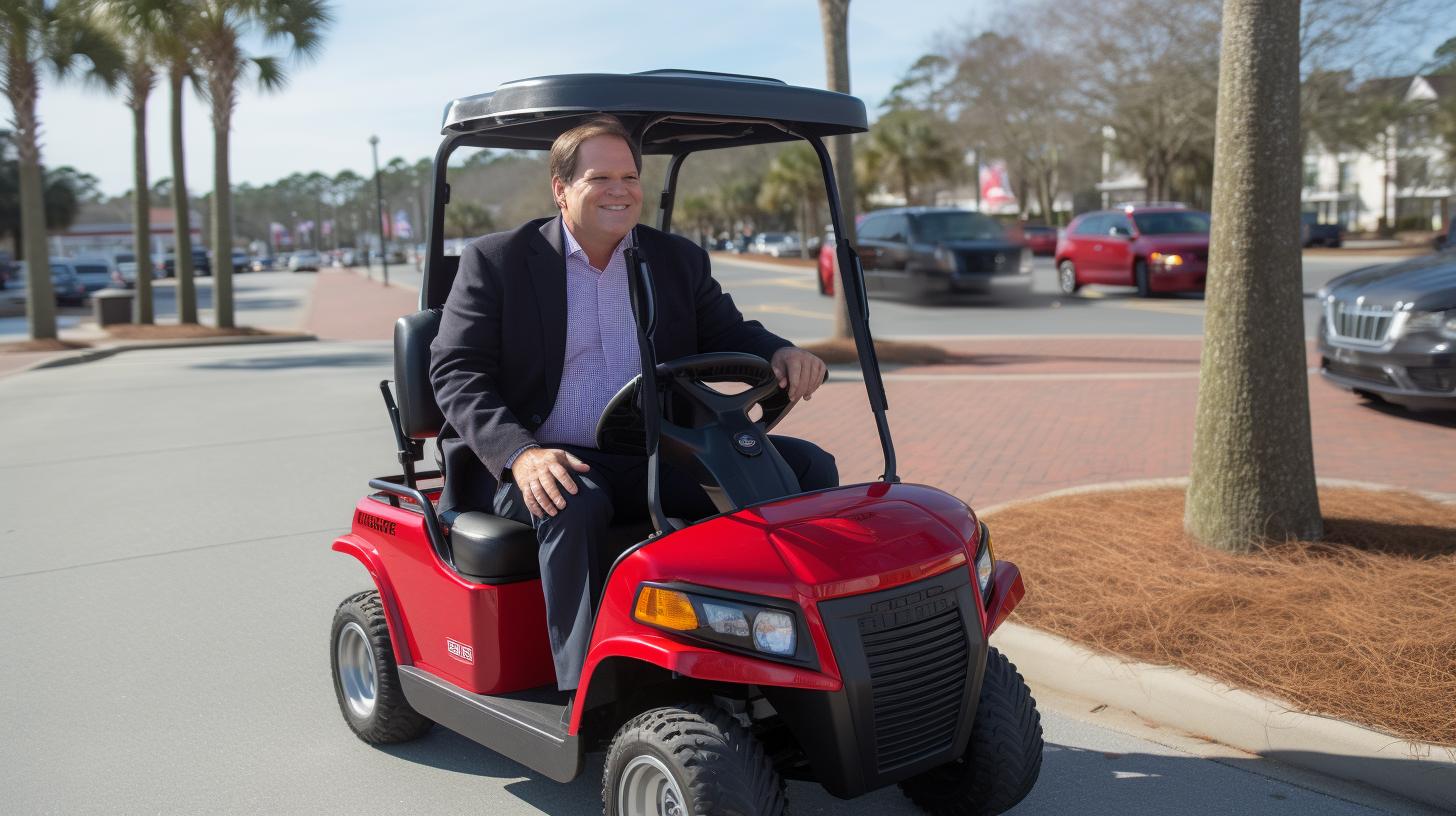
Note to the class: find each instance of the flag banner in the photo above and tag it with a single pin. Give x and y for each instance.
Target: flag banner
(327, 228)
(996, 194)
(402, 229)
(279, 234)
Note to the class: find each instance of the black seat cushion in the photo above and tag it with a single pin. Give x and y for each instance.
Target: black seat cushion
(419, 414)
(492, 549)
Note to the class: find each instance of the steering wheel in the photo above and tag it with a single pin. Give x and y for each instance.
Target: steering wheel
(620, 429)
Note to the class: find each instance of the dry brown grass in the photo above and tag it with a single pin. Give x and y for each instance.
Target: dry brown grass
(1361, 625)
(174, 331)
(42, 345)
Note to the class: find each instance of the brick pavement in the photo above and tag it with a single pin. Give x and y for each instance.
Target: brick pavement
(1020, 417)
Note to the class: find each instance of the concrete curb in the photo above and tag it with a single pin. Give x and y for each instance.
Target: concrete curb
(102, 352)
(1201, 705)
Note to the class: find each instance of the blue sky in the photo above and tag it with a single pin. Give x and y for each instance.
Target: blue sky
(390, 67)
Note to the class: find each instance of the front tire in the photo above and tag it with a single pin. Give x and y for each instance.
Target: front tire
(366, 680)
(692, 759)
(1141, 280)
(1002, 760)
(1067, 278)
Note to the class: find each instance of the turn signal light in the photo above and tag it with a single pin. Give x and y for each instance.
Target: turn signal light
(667, 608)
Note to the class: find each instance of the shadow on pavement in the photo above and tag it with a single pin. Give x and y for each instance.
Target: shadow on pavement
(282, 362)
(1098, 782)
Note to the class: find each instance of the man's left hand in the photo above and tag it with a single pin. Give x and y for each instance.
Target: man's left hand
(799, 372)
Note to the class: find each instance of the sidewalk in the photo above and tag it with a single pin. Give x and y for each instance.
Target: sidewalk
(1026, 415)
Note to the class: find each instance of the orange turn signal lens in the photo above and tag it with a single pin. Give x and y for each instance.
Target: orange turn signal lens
(667, 608)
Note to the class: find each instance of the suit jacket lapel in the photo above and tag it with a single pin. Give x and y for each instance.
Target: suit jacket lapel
(548, 277)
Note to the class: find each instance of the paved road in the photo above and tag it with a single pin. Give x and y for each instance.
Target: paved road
(166, 587)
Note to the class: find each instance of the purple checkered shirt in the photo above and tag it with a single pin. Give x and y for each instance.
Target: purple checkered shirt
(601, 346)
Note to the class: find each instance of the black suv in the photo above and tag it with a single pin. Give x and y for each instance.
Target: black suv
(922, 251)
(201, 264)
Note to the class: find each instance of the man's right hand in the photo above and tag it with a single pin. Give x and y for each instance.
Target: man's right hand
(541, 474)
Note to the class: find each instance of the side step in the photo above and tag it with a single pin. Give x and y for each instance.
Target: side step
(524, 727)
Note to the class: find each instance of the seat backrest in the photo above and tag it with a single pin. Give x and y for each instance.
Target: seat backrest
(419, 414)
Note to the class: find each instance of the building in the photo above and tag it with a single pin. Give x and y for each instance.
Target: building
(98, 231)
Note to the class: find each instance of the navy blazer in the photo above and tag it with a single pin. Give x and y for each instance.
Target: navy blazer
(496, 363)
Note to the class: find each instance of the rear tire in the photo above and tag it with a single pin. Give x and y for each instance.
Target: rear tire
(1002, 760)
(1067, 278)
(694, 756)
(1140, 279)
(366, 680)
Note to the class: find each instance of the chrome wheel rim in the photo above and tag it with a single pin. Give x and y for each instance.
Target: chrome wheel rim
(1067, 278)
(358, 681)
(649, 789)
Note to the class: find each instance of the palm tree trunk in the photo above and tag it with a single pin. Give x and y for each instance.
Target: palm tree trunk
(40, 305)
(141, 212)
(1253, 474)
(834, 18)
(181, 219)
(222, 215)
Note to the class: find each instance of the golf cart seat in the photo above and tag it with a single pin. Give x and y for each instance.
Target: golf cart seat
(485, 548)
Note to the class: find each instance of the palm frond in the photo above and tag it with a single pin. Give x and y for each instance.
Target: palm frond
(298, 23)
(272, 76)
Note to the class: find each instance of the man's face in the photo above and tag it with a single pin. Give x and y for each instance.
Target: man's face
(602, 204)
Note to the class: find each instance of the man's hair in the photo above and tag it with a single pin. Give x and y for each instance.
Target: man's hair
(567, 148)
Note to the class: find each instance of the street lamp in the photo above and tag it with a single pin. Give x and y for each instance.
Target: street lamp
(379, 199)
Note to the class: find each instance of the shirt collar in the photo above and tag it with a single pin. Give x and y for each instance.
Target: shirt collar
(571, 246)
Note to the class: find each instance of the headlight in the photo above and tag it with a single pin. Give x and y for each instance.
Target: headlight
(1442, 322)
(945, 258)
(985, 561)
(1026, 260)
(741, 624)
(1166, 261)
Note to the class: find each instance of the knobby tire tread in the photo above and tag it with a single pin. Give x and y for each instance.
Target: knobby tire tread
(393, 719)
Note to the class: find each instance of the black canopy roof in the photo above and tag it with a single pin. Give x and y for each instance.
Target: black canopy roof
(704, 110)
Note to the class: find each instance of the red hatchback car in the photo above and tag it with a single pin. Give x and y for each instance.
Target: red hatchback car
(1162, 248)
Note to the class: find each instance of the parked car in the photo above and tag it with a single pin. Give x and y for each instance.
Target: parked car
(826, 262)
(94, 273)
(123, 275)
(68, 289)
(1040, 238)
(304, 260)
(1313, 233)
(263, 263)
(201, 264)
(1386, 332)
(241, 262)
(920, 251)
(775, 244)
(1157, 248)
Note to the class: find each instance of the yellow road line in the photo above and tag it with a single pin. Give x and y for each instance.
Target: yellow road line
(785, 309)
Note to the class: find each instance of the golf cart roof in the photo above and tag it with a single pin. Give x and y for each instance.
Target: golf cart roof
(693, 110)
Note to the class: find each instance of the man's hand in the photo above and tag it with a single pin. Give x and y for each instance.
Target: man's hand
(799, 372)
(541, 474)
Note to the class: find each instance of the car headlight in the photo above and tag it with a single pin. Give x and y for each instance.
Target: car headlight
(1442, 322)
(740, 623)
(985, 561)
(1167, 261)
(945, 258)
(1026, 260)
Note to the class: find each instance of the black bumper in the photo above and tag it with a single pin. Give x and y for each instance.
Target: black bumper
(912, 659)
(1415, 370)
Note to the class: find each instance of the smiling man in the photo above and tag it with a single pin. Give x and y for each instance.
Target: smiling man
(537, 336)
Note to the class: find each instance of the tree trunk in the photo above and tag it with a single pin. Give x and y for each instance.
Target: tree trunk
(181, 219)
(222, 212)
(141, 211)
(1253, 464)
(834, 18)
(40, 302)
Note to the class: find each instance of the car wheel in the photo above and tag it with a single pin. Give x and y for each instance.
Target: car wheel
(1140, 278)
(1067, 278)
(689, 759)
(1003, 758)
(366, 680)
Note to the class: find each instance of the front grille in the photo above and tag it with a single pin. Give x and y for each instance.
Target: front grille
(1373, 374)
(1357, 323)
(918, 673)
(989, 263)
(1433, 379)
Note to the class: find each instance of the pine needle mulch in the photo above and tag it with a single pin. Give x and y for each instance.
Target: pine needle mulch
(1359, 626)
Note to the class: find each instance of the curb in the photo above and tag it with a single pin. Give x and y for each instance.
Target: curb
(1201, 705)
(102, 352)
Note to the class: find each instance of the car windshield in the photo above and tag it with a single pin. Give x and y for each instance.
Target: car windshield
(91, 269)
(1172, 223)
(957, 226)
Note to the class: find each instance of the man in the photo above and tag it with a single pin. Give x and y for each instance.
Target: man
(537, 336)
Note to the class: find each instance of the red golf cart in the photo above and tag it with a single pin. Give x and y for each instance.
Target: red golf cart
(838, 636)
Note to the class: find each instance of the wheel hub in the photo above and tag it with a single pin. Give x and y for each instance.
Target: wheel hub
(357, 676)
(648, 788)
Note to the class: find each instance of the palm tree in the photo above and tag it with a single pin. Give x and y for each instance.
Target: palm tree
(907, 149)
(795, 183)
(37, 37)
(222, 28)
(834, 19)
(136, 25)
(174, 47)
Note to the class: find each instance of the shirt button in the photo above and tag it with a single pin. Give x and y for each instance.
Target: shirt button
(535, 417)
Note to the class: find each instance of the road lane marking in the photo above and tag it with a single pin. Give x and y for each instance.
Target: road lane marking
(785, 309)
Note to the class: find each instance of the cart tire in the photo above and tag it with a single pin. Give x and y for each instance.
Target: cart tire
(366, 680)
(1140, 279)
(1003, 759)
(1067, 278)
(695, 754)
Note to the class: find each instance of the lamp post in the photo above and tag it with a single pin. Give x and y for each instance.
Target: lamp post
(379, 200)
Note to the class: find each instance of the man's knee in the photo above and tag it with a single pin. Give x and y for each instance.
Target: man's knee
(814, 466)
(589, 509)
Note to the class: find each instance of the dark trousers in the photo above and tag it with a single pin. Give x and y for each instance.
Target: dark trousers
(574, 558)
